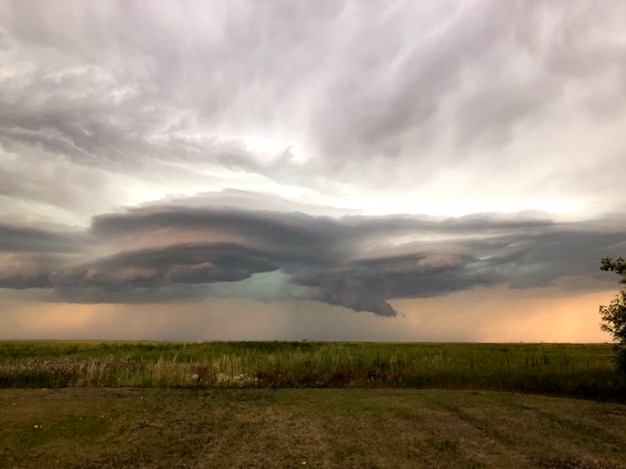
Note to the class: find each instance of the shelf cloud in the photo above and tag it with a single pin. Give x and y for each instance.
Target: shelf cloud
(360, 262)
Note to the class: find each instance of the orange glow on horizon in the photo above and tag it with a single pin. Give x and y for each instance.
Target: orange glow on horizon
(481, 315)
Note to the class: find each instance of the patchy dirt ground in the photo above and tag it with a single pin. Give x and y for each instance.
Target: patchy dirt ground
(306, 428)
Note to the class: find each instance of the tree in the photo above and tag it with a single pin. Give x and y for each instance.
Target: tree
(614, 315)
(614, 265)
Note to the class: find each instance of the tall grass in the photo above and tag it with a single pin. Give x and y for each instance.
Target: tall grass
(565, 369)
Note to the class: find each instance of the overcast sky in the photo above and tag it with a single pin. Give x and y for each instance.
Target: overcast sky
(363, 170)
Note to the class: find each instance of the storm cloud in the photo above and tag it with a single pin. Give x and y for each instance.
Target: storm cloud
(345, 152)
(355, 261)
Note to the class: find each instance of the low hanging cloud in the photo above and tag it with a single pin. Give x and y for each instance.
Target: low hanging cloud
(171, 252)
(15, 238)
(177, 264)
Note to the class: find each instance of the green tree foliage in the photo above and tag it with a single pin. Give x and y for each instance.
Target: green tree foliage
(614, 265)
(614, 315)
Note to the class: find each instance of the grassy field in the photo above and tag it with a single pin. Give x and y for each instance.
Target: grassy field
(150, 427)
(260, 404)
(558, 369)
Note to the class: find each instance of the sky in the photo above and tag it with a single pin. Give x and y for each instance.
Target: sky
(331, 170)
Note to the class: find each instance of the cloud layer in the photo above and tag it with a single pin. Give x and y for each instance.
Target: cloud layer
(168, 251)
(349, 153)
(449, 107)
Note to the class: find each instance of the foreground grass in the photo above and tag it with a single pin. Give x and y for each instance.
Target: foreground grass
(306, 427)
(561, 369)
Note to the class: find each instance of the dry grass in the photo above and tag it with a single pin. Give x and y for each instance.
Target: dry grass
(577, 370)
(320, 427)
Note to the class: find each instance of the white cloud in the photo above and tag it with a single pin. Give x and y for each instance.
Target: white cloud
(431, 107)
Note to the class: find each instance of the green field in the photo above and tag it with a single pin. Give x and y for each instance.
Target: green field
(295, 404)
(558, 369)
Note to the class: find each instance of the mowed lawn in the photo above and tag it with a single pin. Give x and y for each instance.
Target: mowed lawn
(345, 427)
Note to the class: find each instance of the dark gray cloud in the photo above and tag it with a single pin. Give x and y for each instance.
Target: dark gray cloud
(14, 238)
(169, 251)
(289, 234)
(177, 264)
(366, 284)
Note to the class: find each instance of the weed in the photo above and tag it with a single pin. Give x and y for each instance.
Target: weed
(565, 369)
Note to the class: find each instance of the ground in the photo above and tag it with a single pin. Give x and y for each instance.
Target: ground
(151, 427)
